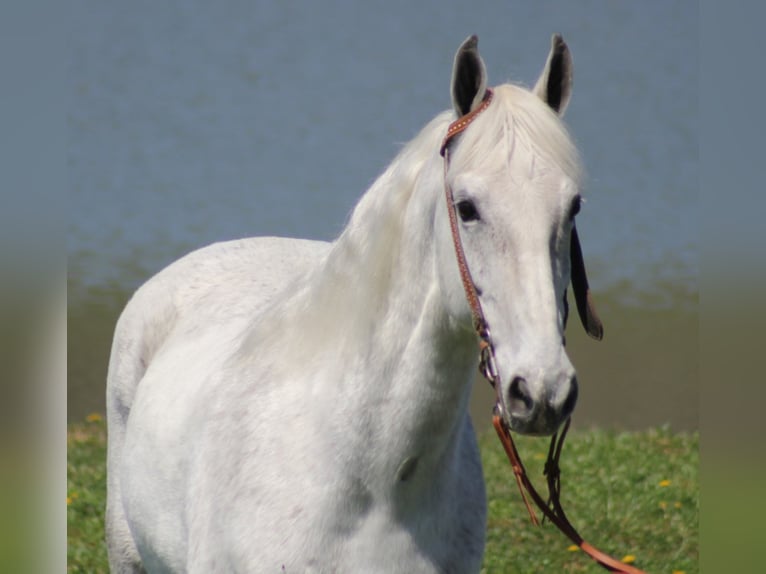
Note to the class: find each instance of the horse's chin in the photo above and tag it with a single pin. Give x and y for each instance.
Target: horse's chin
(540, 426)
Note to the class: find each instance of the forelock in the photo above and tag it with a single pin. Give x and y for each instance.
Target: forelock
(516, 116)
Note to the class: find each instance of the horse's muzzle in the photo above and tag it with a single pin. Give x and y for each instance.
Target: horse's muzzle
(541, 413)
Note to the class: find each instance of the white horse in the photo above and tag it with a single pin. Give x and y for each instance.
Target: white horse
(282, 405)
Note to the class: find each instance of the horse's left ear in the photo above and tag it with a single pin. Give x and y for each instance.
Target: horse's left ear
(554, 86)
(469, 77)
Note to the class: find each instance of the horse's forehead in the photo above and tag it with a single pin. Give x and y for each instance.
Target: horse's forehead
(517, 160)
(531, 167)
(532, 176)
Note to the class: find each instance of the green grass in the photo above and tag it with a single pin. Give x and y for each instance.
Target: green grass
(627, 493)
(23, 505)
(86, 497)
(631, 494)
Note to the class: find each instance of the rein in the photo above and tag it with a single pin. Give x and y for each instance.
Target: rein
(552, 509)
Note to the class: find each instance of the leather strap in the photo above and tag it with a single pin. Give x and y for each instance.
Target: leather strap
(465, 274)
(469, 287)
(552, 509)
(463, 122)
(487, 363)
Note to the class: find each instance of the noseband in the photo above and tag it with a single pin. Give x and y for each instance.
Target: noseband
(488, 367)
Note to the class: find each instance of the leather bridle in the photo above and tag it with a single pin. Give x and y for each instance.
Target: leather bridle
(487, 365)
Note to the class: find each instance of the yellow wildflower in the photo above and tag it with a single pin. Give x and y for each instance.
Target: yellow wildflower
(628, 558)
(677, 504)
(665, 483)
(68, 500)
(573, 548)
(663, 505)
(93, 418)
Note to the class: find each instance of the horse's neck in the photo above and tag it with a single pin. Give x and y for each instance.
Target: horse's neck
(405, 366)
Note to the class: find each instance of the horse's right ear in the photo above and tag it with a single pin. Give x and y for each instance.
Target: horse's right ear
(469, 77)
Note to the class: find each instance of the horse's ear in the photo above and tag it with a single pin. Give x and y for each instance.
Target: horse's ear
(469, 77)
(585, 307)
(554, 86)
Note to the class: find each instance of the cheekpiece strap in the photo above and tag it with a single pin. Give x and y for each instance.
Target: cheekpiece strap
(463, 122)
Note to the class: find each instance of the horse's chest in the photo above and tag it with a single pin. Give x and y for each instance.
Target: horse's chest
(375, 540)
(347, 527)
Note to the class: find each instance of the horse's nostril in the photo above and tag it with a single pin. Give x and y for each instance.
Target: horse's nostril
(519, 400)
(571, 400)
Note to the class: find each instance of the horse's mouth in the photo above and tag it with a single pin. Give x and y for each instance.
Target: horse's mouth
(541, 424)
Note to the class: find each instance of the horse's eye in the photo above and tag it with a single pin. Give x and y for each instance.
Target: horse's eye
(574, 209)
(467, 211)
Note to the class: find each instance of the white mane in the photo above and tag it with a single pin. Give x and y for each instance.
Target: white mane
(517, 116)
(370, 241)
(352, 283)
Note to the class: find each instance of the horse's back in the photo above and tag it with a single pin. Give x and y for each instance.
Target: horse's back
(217, 286)
(218, 283)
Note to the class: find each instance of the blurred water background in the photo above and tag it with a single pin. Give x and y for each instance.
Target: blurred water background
(193, 122)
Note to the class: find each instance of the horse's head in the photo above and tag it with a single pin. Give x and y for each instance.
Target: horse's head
(513, 178)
